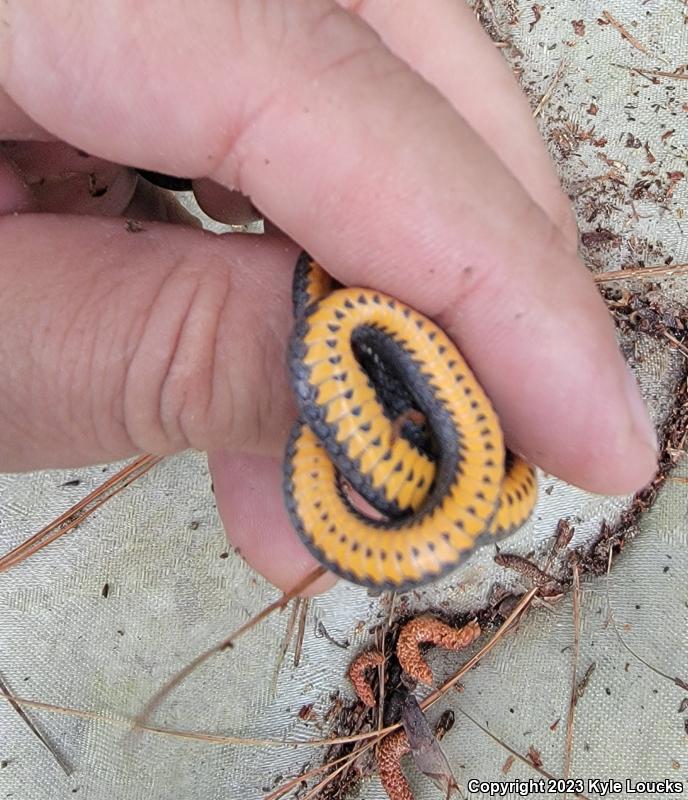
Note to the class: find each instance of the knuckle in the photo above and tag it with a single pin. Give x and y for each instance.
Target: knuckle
(489, 280)
(170, 386)
(471, 284)
(300, 55)
(203, 373)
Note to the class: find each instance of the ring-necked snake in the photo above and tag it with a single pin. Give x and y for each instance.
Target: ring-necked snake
(389, 408)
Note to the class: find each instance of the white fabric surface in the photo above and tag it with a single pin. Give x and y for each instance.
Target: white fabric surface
(171, 595)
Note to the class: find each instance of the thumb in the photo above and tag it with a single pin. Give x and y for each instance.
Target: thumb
(114, 342)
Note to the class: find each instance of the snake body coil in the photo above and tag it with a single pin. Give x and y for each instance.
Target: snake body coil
(363, 366)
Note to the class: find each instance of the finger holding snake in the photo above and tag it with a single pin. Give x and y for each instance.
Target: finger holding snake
(354, 155)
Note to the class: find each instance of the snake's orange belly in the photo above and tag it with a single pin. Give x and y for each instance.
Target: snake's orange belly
(359, 361)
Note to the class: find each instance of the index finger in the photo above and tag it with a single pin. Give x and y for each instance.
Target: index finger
(302, 108)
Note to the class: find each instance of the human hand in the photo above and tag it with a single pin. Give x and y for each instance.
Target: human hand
(113, 343)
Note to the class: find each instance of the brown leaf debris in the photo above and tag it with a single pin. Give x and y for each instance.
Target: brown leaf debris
(629, 37)
(357, 670)
(388, 757)
(427, 629)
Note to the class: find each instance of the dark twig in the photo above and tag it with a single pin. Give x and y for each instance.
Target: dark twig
(62, 764)
(227, 643)
(303, 609)
(574, 676)
(672, 678)
(78, 512)
(641, 273)
(515, 753)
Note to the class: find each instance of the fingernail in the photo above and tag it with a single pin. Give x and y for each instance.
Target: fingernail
(639, 414)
